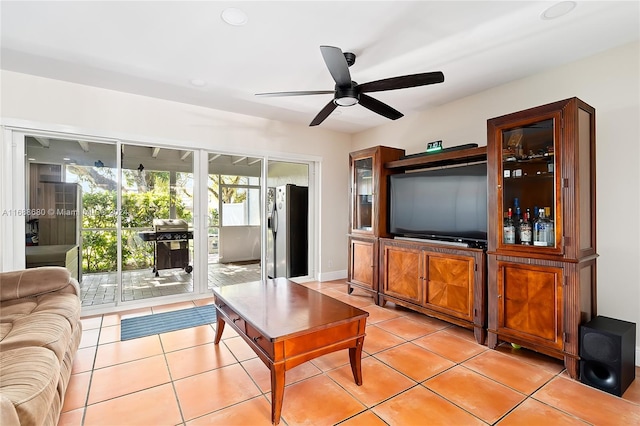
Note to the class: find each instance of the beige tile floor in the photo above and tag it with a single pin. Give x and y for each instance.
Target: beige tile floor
(417, 371)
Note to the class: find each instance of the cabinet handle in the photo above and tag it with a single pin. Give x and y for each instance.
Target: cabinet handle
(255, 339)
(236, 319)
(499, 296)
(499, 186)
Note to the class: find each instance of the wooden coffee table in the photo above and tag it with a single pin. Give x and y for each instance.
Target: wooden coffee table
(287, 324)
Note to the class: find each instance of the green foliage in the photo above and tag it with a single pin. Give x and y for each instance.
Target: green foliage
(138, 211)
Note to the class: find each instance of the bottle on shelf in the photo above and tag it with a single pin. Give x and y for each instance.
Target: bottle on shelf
(552, 234)
(509, 231)
(541, 230)
(526, 231)
(517, 218)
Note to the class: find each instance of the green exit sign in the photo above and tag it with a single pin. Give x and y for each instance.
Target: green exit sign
(434, 146)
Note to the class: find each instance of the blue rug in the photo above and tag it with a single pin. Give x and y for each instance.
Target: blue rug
(132, 328)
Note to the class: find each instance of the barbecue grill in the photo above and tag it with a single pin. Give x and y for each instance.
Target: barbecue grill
(171, 239)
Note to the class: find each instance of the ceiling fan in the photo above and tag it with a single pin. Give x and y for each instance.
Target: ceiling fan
(347, 92)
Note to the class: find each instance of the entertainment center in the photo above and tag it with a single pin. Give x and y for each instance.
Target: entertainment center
(527, 281)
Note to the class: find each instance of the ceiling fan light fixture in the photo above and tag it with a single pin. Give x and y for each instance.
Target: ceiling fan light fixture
(234, 16)
(346, 96)
(346, 101)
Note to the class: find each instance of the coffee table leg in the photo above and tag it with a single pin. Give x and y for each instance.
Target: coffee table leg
(277, 391)
(355, 357)
(219, 328)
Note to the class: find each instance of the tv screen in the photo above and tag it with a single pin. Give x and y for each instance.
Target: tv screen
(443, 204)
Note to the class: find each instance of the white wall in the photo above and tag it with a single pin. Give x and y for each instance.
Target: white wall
(610, 82)
(101, 112)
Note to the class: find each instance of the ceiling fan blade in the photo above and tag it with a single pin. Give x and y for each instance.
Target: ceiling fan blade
(322, 115)
(337, 64)
(402, 82)
(300, 93)
(379, 107)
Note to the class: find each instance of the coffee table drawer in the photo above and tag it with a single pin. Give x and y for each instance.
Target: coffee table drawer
(234, 317)
(260, 340)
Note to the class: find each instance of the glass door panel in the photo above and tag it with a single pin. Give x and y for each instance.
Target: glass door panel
(288, 251)
(234, 220)
(363, 200)
(529, 184)
(156, 222)
(71, 192)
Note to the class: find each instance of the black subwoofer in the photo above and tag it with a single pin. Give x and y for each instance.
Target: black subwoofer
(607, 354)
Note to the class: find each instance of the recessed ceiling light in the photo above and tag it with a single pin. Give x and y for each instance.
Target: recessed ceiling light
(234, 16)
(197, 82)
(558, 10)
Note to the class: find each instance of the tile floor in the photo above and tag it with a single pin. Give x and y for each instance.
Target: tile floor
(416, 370)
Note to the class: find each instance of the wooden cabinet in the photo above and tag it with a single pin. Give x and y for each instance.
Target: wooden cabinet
(530, 301)
(441, 281)
(368, 214)
(542, 159)
(363, 262)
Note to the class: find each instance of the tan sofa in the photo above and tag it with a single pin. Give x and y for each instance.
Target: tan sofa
(40, 332)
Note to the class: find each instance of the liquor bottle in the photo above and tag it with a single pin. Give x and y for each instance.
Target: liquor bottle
(517, 218)
(541, 230)
(509, 230)
(526, 232)
(552, 234)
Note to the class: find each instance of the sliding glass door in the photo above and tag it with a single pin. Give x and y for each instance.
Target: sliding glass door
(121, 216)
(71, 188)
(234, 219)
(156, 221)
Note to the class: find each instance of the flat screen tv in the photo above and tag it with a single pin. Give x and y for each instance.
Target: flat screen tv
(448, 204)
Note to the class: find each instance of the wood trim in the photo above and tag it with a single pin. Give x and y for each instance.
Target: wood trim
(439, 159)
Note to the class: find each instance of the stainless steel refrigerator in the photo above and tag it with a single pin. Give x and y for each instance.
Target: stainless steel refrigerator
(287, 231)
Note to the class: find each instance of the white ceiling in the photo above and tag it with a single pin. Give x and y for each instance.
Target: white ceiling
(155, 48)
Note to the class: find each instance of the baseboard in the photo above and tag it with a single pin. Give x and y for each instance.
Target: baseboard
(637, 356)
(333, 275)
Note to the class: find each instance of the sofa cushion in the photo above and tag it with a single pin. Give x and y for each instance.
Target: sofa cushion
(64, 304)
(32, 282)
(39, 329)
(11, 310)
(29, 380)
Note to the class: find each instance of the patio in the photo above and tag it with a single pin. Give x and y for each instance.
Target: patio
(100, 288)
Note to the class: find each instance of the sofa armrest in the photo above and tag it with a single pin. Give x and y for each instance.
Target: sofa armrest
(36, 281)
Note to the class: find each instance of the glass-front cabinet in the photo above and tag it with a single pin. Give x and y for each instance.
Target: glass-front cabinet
(363, 194)
(528, 180)
(367, 214)
(368, 188)
(541, 265)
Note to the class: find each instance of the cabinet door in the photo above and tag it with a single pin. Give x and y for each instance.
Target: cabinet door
(528, 182)
(363, 194)
(450, 283)
(402, 277)
(368, 190)
(363, 262)
(530, 303)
